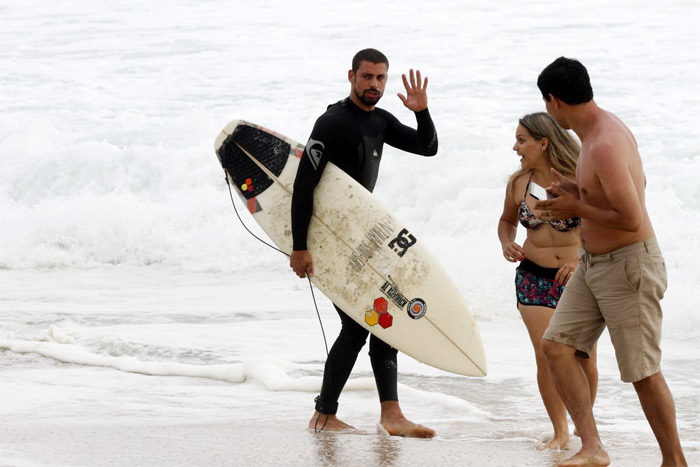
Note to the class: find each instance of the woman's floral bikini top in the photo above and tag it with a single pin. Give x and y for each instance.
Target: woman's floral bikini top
(529, 220)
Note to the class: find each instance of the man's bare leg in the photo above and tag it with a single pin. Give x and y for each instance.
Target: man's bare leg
(660, 410)
(325, 422)
(394, 422)
(590, 369)
(572, 384)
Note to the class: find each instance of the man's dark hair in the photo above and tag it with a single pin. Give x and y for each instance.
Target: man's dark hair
(368, 55)
(566, 79)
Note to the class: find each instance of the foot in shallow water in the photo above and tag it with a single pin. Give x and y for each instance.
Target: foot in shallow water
(325, 422)
(593, 458)
(558, 442)
(405, 428)
(394, 422)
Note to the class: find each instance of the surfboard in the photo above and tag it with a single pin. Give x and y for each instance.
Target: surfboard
(366, 261)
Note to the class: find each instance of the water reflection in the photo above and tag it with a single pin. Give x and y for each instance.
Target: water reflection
(357, 448)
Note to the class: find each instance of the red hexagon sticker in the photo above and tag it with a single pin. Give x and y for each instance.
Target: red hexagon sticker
(385, 320)
(379, 314)
(381, 305)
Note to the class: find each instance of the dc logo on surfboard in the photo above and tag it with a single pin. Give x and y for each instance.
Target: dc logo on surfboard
(402, 242)
(417, 308)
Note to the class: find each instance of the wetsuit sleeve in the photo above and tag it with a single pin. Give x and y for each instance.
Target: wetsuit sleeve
(313, 161)
(423, 140)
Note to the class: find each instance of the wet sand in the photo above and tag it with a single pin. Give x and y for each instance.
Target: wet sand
(280, 444)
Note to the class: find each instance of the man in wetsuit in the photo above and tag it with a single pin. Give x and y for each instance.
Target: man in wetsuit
(351, 134)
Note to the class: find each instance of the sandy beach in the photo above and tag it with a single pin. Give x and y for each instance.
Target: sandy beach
(282, 443)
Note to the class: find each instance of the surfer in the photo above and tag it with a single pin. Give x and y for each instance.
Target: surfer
(351, 134)
(548, 255)
(622, 276)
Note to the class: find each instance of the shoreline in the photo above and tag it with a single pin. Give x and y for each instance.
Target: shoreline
(282, 443)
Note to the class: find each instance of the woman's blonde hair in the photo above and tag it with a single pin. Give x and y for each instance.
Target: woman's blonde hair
(561, 152)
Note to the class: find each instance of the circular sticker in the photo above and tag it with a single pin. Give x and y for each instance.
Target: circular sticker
(417, 308)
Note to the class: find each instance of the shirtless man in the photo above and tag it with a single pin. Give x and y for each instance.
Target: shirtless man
(622, 276)
(351, 134)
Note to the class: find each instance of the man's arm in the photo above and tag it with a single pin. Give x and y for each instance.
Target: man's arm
(624, 211)
(311, 166)
(424, 140)
(617, 207)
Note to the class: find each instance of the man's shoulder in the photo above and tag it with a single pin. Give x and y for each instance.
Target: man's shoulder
(336, 109)
(385, 114)
(614, 142)
(611, 130)
(338, 120)
(334, 116)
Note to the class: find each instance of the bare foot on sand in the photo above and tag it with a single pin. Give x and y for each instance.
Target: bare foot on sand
(588, 458)
(324, 422)
(558, 442)
(394, 423)
(405, 428)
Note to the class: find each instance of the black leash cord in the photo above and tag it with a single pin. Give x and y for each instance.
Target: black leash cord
(313, 296)
(230, 193)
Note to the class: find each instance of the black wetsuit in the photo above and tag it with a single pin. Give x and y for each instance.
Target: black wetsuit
(353, 140)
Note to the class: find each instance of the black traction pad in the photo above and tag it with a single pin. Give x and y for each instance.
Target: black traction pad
(268, 149)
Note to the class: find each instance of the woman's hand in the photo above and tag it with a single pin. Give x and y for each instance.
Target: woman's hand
(565, 272)
(513, 252)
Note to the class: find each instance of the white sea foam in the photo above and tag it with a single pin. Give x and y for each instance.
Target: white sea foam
(106, 146)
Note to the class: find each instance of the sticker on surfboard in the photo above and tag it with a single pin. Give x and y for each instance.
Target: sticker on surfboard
(379, 314)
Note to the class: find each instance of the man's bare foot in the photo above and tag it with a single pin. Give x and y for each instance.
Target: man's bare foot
(587, 458)
(558, 442)
(394, 423)
(324, 422)
(405, 428)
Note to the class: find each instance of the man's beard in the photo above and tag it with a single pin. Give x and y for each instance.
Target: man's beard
(368, 101)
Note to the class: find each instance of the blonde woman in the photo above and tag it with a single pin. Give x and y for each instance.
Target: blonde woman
(549, 253)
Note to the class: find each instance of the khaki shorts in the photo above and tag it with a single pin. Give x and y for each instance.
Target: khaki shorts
(621, 290)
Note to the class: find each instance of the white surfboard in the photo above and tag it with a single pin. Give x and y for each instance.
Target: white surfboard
(366, 260)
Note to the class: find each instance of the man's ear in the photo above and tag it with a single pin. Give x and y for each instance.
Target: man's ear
(351, 75)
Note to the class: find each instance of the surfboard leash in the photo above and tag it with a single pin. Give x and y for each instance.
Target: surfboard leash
(230, 193)
(311, 287)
